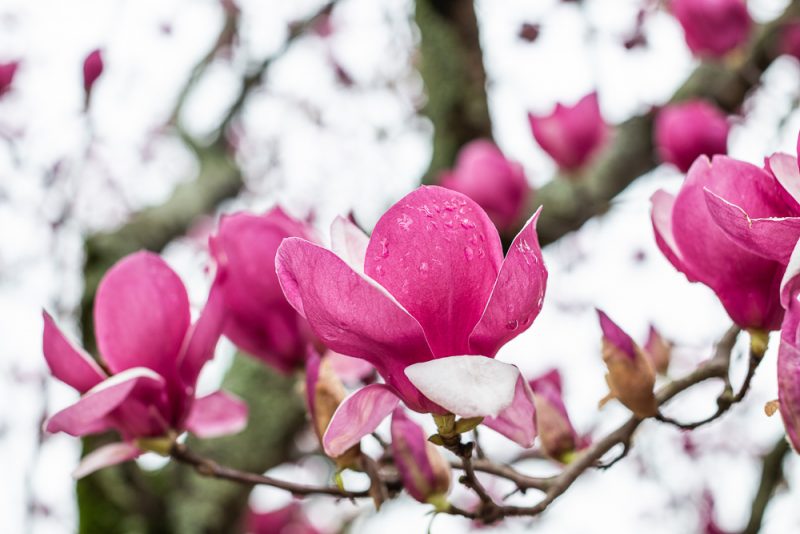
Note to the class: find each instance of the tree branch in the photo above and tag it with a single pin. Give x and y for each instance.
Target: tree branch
(771, 478)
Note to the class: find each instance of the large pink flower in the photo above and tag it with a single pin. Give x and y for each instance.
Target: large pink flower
(571, 135)
(428, 300)
(713, 27)
(691, 239)
(259, 320)
(789, 352)
(497, 184)
(152, 357)
(685, 131)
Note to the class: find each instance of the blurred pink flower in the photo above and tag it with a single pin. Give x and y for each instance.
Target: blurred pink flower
(291, 519)
(497, 184)
(424, 471)
(688, 232)
(428, 300)
(690, 129)
(571, 135)
(153, 355)
(92, 69)
(713, 28)
(790, 39)
(259, 320)
(7, 73)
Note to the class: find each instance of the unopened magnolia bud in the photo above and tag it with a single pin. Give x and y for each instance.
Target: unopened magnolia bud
(325, 392)
(659, 350)
(556, 434)
(7, 73)
(630, 376)
(92, 69)
(425, 472)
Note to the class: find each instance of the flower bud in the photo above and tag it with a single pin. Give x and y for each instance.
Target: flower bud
(424, 471)
(324, 393)
(558, 438)
(92, 69)
(289, 519)
(630, 376)
(659, 350)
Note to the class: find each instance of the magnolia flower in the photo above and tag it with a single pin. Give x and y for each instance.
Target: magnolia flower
(789, 352)
(688, 233)
(713, 27)
(571, 135)
(92, 69)
(259, 320)
(630, 376)
(497, 184)
(557, 436)
(7, 72)
(424, 471)
(767, 221)
(152, 357)
(685, 131)
(291, 519)
(428, 300)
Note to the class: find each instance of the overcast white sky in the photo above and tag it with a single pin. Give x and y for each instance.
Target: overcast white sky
(87, 172)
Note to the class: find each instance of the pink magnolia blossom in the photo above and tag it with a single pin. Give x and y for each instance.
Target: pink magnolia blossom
(556, 434)
(687, 130)
(152, 357)
(571, 135)
(259, 320)
(424, 471)
(7, 73)
(497, 184)
(770, 225)
(92, 69)
(713, 27)
(789, 352)
(291, 519)
(428, 300)
(630, 376)
(688, 232)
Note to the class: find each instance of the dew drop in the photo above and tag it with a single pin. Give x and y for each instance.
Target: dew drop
(423, 268)
(469, 253)
(384, 248)
(466, 223)
(512, 325)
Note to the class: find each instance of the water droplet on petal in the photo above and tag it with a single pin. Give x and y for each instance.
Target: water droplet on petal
(469, 253)
(512, 325)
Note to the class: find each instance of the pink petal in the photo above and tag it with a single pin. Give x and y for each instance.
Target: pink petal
(358, 415)
(438, 253)
(353, 315)
(789, 374)
(91, 410)
(617, 336)
(661, 217)
(517, 422)
(141, 315)
(517, 295)
(690, 129)
(785, 169)
(349, 242)
(790, 284)
(468, 386)
(201, 340)
(68, 363)
(773, 237)
(106, 456)
(350, 370)
(217, 414)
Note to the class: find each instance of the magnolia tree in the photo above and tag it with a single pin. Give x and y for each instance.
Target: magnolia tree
(397, 327)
